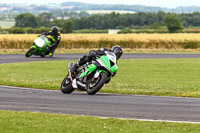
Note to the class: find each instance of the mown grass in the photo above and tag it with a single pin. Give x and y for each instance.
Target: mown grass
(166, 77)
(14, 122)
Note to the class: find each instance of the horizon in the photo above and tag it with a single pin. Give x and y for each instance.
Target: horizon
(155, 3)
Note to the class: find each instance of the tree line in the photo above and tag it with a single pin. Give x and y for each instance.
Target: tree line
(137, 20)
(112, 21)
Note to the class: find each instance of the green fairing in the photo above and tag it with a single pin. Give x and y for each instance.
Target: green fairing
(42, 50)
(34, 46)
(106, 61)
(114, 68)
(89, 69)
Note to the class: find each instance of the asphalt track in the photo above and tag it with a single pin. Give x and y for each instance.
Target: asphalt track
(12, 58)
(103, 105)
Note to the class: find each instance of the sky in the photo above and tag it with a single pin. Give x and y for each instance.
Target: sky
(159, 3)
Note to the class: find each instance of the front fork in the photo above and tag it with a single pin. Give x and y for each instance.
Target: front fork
(69, 67)
(98, 72)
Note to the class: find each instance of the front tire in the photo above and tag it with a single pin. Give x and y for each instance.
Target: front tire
(66, 86)
(93, 90)
(30, 52)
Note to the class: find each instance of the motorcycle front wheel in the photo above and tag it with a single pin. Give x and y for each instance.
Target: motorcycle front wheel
(98, 84)
(66, 86)
(29, 52)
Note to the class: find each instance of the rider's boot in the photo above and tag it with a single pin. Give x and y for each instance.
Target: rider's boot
(73, 70)
(50, 54)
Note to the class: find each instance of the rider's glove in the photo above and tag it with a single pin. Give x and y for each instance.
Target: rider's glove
(47, 47)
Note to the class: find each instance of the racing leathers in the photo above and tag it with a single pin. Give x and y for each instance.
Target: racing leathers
(87, 58)
(55, 40)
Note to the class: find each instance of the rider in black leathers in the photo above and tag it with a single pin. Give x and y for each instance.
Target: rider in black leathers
(54, 38)
(117, 50)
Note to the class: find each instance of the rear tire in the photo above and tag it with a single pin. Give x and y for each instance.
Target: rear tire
(99, 85)
(30, 52)
(66, 86)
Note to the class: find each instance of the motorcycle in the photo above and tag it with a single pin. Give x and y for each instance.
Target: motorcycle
(39, 47)
(92, 76)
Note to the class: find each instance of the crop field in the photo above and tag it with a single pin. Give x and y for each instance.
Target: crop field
(131, 41)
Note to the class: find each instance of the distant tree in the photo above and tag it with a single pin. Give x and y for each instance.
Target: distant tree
(160, 15)
(44, 19)
(156, 25)
(26, 20)
(57, 22)
(83, 14)
(12, 15)
(2, 16)
(172, 22)
(185, 23)
(68, 26)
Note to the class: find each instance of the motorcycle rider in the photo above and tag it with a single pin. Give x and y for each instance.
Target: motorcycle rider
(54, 38)
(117, 50)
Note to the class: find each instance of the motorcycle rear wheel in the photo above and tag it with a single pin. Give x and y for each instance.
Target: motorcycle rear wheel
(66, 86)
(94, 89)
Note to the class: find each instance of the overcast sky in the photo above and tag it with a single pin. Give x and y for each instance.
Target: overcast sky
(160, 3)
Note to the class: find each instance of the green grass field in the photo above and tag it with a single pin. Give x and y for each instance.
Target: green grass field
(7, 24)
(86, 51)
(26, 122)
(166, 77)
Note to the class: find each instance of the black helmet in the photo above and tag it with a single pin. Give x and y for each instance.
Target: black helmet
(117, 50)
(54, 30)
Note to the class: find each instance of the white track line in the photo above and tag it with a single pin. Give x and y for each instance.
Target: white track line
(151, 120)
(24, 88)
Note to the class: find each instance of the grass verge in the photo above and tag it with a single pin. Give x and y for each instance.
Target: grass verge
(86, 50)
(14, 122)
(166, 77)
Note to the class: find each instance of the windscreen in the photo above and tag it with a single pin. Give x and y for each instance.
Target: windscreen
(39, 42)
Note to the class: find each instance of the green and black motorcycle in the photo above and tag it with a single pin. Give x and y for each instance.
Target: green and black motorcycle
(39, 47)
(91, 76)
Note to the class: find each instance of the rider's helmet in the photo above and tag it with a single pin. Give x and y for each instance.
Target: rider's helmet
(54, 30)
(117, 50)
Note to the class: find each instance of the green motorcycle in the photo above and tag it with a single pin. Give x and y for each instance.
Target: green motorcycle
(39, 47)
(91, 76)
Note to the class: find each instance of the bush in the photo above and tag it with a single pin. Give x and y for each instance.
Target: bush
(125, 31)
(17, 30)
(173, 23)
(90, 31)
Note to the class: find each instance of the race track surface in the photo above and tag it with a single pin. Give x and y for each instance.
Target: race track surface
(104, 105)
(11, 58)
